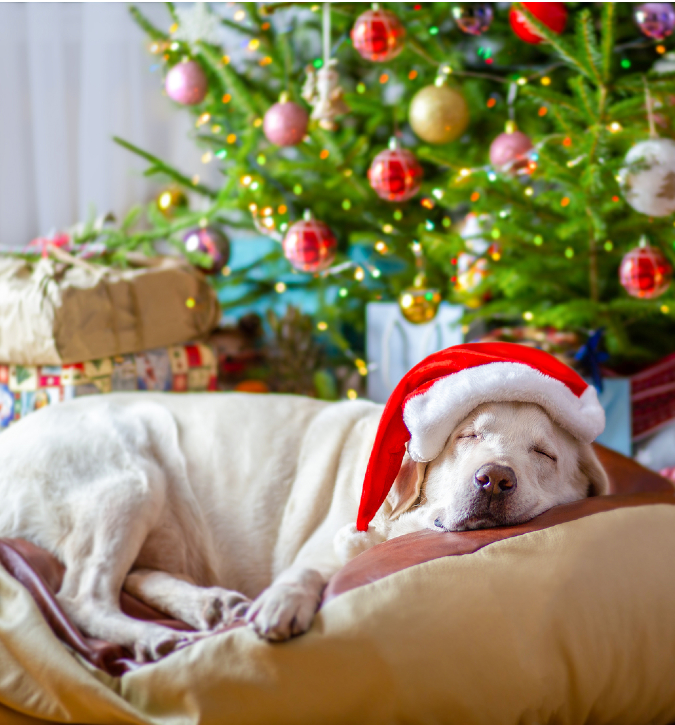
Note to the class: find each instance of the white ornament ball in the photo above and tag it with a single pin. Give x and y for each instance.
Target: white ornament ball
(648, 177)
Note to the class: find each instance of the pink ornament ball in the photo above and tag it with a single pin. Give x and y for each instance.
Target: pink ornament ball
(285, 123)
(510, 152)
(186, 83)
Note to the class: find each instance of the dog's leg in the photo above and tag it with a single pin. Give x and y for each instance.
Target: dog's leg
(203, 608)
(90, 597)
(306, 558)
(107, 533)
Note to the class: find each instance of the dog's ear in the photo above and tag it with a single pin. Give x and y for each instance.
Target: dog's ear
(598, 482)
(407, 486)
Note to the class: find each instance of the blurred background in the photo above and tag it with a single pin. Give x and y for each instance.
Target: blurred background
(72, 76)
(311, 197)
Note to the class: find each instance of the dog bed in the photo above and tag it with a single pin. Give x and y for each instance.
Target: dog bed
(569, 618)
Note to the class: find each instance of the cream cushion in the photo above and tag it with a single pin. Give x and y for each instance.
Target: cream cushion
(571, 624)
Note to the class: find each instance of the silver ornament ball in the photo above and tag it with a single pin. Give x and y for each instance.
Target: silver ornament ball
(648, 177)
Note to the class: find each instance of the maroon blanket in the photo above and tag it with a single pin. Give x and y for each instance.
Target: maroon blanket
(41, 573)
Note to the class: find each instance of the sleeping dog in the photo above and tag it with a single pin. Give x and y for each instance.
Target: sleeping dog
(217, 507)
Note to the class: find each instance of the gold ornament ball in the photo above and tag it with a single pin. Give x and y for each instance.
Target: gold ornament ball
(439, 114)
(419, 305)
(170, 201)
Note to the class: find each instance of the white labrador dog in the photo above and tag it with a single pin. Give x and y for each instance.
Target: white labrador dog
(213, 507)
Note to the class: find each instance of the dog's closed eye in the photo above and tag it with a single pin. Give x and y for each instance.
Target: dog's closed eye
(544, 453)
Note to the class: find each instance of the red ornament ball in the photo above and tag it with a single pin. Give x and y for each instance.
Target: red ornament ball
(310, 245)
(395, 174)
(645, 272)
(510, 152)
(186, 83)
(285, 123)
(210, 241)
(378, 35)
(552, 15)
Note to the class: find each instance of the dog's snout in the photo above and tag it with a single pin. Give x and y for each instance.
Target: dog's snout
(495, 479)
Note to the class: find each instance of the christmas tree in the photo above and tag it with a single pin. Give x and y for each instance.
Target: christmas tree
(464, 152)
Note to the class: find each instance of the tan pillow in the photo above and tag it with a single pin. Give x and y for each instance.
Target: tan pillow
(568, 625)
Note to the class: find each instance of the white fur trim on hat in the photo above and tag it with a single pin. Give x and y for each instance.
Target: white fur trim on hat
(349, 542)
(433, 415)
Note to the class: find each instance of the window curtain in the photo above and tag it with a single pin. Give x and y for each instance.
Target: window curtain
(72, 76)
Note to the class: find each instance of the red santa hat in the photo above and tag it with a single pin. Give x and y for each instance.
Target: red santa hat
(438, 393)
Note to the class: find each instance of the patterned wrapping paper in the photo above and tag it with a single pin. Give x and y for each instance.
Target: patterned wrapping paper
(179, 369)
(653, 397)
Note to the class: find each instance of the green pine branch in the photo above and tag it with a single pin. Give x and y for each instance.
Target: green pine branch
(607, 35)
(145, 25)
(557, 42)
(161, 167)
(553, 99)
(172, 11)
(587, 45)
(229, 80)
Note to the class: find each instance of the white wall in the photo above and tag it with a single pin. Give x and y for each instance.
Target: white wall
(72, 75)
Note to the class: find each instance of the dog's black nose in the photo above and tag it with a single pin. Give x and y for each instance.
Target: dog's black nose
(496, 480)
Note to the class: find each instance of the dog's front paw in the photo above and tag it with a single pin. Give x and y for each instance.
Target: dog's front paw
(287, 608)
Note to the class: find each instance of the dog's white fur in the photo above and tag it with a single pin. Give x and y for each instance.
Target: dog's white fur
(200, 504)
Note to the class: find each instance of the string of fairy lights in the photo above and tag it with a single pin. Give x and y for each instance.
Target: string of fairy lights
(274, 219)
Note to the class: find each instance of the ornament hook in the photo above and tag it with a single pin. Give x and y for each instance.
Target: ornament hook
(511, 106)
(322, 90)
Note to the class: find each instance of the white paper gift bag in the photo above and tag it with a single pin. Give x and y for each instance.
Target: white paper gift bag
(394, 345)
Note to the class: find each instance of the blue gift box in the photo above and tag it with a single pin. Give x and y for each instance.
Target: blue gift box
(615, 399)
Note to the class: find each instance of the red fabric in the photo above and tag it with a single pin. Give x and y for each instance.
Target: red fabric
(392, 434)
(194, 357)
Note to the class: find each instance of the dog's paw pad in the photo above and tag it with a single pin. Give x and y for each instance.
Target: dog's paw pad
(223, 607)
(157, 646)
(213, 613)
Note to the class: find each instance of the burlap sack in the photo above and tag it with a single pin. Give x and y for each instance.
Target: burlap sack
(53, 313)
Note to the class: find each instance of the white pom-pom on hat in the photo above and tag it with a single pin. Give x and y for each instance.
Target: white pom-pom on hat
(348, 542)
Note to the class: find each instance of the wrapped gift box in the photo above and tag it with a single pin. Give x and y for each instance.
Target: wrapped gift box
(58, 313)
(180, 369)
